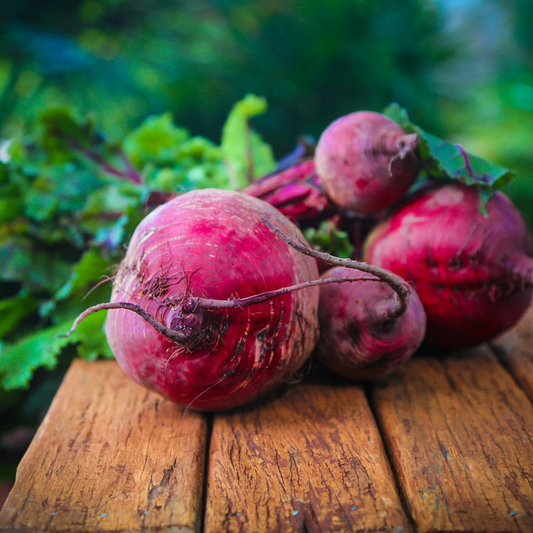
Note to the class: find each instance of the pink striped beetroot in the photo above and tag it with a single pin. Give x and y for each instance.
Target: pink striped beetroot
(366, 162)
(296, 192)
(360, 336)
(199, 333)
(472, 272)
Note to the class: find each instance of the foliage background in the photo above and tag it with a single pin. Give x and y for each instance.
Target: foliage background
(462, 68)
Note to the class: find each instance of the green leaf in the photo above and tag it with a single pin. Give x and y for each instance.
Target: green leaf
(4, 166)
(15, 309)
(65, 138)
(59, 190)
(91, 268)
(328, 238)
(173, 161)
(155, 139)
(113, 199)
(453, 162)
(444, 160)
(91, 339)
(10, 203)
(113, 236)
(112, 212)
(37, 268)
(245, 152)
(398, 114)
(19, 361)
(62, 131)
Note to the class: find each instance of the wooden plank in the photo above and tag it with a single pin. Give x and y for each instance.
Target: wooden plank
(311, 460)
(515, 350)
(110, 456)
(460, 436)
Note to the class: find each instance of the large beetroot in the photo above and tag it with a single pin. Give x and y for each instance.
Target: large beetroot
(472, 272)
(192, 267)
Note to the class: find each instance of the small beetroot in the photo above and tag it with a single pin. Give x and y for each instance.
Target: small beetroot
(359, 339)
(472, 272)
(366, 162)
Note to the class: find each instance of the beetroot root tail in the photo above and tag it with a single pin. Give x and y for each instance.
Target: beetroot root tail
(176, 336)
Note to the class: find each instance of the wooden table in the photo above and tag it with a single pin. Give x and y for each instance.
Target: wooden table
(445, 444)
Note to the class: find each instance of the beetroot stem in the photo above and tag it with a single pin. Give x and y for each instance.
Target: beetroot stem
(206, 303)
(397, 284)
(176, 336)
(466, 158)
(191, 304)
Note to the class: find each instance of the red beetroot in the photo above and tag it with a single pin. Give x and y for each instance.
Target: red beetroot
(358, 337)
(473, 273)
(189, 256)
(366, 162)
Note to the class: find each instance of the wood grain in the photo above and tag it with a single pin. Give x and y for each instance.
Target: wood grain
(311, 460)
(111, 457)
(515, 350)
(460, 436)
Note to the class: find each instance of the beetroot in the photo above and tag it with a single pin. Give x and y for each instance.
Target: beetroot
(193, 267)
(359, 339)
(472, 272)
(366, 162)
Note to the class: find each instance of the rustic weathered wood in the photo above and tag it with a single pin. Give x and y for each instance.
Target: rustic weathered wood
(516, 352)
(460, 436)
(110, 457)
(458, 430)
(311, 460)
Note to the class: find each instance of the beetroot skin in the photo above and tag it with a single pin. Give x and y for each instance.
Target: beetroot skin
(366, 162)
(212, 244)
(472, 272)
(358, 338)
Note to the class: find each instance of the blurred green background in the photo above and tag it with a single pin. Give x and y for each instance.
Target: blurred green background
(462, 68)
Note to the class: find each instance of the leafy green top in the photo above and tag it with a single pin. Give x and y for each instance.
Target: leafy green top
(70, 199)
(444, 160)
